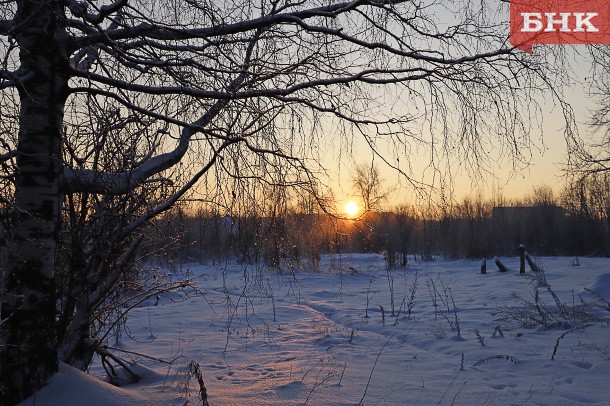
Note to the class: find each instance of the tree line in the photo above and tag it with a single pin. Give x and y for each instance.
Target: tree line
(577, 223)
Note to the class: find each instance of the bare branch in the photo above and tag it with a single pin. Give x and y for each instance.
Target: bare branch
(79, 9)
(121, 183)
(365, 76)
(171, 33)
(7, 156)
(169, 203)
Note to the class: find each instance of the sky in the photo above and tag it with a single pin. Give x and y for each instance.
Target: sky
(543, 163)
(547, 156)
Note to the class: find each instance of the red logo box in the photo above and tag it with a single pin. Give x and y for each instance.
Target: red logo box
(559, 22)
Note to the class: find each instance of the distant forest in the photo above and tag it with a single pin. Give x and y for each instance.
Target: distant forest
(576, 223)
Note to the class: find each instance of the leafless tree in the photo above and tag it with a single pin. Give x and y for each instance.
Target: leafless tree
(193, 90)
(541, 196)
(368, 184)
(587, 193)
(592, 155)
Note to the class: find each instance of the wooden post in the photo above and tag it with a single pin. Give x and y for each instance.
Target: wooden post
(521, 258)
(500, 265)
(531, 263)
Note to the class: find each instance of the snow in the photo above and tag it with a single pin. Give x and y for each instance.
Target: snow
(71, 386)
(322, 350)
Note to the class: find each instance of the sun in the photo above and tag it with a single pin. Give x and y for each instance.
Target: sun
(351, 209)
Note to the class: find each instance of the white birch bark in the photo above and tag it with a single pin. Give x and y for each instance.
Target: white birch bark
(28, 348)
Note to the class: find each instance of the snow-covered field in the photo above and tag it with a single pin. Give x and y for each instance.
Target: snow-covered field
(302, 337)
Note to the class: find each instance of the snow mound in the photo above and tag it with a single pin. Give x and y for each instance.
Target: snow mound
(601, 285)
(72, 387)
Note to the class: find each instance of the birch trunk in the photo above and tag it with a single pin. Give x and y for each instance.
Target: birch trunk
(28, 344)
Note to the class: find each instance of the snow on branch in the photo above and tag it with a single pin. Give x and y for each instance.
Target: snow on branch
(80, 9)
(166, 32)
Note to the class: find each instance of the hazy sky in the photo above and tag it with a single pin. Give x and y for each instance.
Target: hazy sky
(547, 156)
(545, 159)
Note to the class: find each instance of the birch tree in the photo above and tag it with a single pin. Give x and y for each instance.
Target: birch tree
(235, 87)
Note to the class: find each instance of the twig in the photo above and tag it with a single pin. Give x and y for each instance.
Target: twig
(161, 360)
(104, 353)
(449, 387)
(565, 333)
(373, 370)
(195, 371)
(499, 356)
(342, 373)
